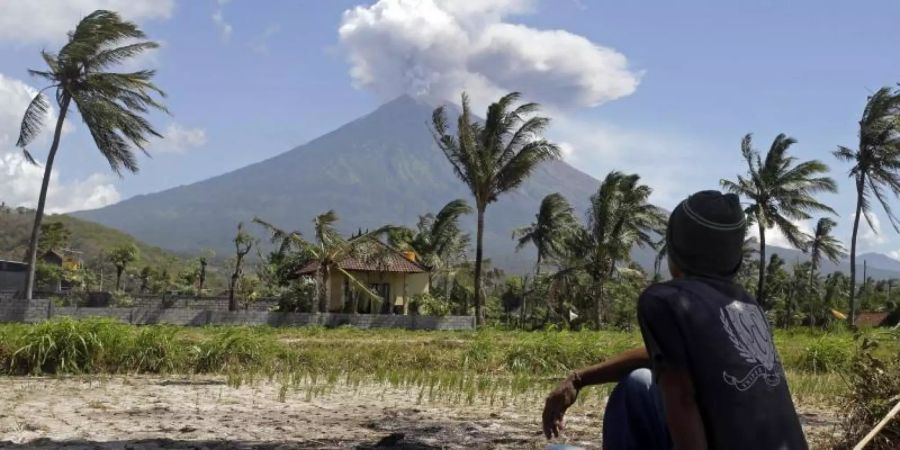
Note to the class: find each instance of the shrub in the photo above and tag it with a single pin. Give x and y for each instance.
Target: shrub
(66, 346)
(235, 349)
(825, 354)
(429, 305)
(874, 390)
(155, 350)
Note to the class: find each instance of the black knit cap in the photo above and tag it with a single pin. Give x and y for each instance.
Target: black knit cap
(706, 234)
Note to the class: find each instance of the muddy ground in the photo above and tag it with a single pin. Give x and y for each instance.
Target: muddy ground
(142, 413)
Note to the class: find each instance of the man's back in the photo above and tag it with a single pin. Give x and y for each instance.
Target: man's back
(719, 334)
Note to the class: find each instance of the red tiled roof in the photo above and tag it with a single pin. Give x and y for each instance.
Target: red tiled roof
(390, 262)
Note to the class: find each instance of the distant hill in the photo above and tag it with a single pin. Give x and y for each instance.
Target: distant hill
(87, 237)
(383, 168)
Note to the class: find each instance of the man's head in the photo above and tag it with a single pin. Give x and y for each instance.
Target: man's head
(706, 235)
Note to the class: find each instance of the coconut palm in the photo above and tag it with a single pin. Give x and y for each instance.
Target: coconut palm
(781, 190)
(876, 166)
(438, 240)
(111, 104)
(549, 233)
(493, 157)
(620, 217)
(822, 244)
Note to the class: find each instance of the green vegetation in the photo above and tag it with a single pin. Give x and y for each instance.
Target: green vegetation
(459, 366)
(93, 240)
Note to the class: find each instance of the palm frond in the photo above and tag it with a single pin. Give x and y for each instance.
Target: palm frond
(33, 121)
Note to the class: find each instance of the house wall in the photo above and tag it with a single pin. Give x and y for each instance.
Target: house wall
(403, 286)
(40, 310)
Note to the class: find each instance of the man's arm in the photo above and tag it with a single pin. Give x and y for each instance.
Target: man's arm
(682, 413)
(613, 369)
(609, 371)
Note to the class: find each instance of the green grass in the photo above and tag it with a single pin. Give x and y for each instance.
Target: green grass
(458, 366)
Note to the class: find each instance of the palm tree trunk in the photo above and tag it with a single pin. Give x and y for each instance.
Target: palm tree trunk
(598, 304)
(479, 314)
(812, 295)
(860, 184)
(202, 280)
(119, 271)
(42, 198)
(761, 283)
(232, 302)
(324, 298)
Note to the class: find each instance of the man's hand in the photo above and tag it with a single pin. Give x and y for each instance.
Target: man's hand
(556, 405)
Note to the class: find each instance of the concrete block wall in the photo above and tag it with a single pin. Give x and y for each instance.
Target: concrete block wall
(39, 310)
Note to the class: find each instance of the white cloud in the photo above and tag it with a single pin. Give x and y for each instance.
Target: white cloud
(261, 43)
(20, 182)
(870, 238)
(48, 21)
(435, 49)
(665, 161)
(895, 254)
(218, 18)
(178, 139)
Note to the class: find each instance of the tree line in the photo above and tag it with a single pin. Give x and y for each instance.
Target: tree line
(583, 269)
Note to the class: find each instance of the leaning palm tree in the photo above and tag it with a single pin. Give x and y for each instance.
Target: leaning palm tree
(438, 240)
(780, 190)
(331, 248)
(111, 104)
(620, 217)
(822, 244)
(549, 233)
(493, 157)
(876, 166)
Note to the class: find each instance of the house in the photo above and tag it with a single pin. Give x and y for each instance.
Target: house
(12, 278)
(68, 260)
(396, 277)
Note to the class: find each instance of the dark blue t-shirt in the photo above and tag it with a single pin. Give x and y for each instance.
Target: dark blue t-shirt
(719, 334)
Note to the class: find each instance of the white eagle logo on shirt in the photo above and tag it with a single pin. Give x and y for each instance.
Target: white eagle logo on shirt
(749, 333)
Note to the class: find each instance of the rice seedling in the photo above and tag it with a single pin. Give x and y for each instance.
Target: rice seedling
(487, 365)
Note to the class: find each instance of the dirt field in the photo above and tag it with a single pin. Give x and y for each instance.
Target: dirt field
(142, 413)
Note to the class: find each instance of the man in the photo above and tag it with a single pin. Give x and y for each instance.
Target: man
(716, 380)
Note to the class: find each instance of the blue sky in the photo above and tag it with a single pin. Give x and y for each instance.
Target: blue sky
(665, 89)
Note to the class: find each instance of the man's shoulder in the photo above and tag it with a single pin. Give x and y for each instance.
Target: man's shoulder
(662, 290)
(686, 292)
(657, 295)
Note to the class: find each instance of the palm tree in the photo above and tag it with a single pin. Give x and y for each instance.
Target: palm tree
(331, 248)
(121, 257)
(822, 244)
(620, 217)
(243, 242)
(111, 104)
(876, 166)
(438, 240)
(779, 190)
(493, 157)
(549, 233)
